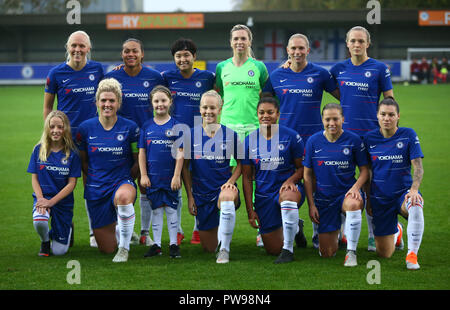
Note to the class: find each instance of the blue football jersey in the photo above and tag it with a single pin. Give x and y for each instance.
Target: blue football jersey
(300, 96)
(54, 174)
(136, 105)
(391, 161)
(360, 89)
(210, 161)
(334, 163)
(109, 154)
(158, 142)
(274, 159)
(187, 93)
(75, 90)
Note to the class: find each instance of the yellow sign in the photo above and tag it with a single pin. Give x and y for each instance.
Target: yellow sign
(434, 18)
(154, 21)
(200, 64)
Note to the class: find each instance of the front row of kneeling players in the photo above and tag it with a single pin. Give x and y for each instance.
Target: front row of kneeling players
(112, 150)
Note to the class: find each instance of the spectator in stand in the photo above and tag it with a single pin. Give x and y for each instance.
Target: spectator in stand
(444, 70)
(434, 70)
(416, 76)
(425, 69)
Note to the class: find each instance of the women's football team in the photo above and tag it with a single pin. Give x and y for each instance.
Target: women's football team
(130, 125)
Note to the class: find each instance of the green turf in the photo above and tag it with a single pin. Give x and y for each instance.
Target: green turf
(424, 107)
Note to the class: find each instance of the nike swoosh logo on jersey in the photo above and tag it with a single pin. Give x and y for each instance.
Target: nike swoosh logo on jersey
(317, 151)
(341, 72)
(91, 138)
(174, 82)
(372, 146)
(65, 80)
(281, 81)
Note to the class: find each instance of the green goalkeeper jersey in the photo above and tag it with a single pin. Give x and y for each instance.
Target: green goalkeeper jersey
(240, 88)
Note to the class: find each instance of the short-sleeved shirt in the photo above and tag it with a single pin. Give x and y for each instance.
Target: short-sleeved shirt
(240, 88)
(136, 105)
(53, 175)
(300, 96)
(360, 88)
(109, 153)
(187, 92)
(158, 142)
(210, 161)
(75, 90)
(391, 161)
(334, 163)
(274, 159)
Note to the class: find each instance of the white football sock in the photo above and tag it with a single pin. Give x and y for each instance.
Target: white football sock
(40, 223)
(157, 225)
(369, 225)
(342, 230)
(352, 228)
(172, 224)
(289, 217)
(125, 220)
(59, 248)
(227, 222)
(315, 229)
(146, 213)
(195, 224)
(179, 209)
(91, 232)
(415, 228)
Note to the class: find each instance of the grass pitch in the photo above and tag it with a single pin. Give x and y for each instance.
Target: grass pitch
(423, 107)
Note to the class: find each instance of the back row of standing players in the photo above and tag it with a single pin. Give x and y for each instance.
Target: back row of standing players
(357, 82)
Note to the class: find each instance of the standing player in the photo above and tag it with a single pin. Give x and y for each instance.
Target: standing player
(137, 82)
(275, 153)
(331, 188)
(54, 167)
(299, 86)
(187, 85)
(109, 159)
(361, 80)
(393, 150)
(240, 80)
(210, 183)
(160, 169)
(74, 83)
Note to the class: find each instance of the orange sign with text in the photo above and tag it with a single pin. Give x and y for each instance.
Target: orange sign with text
(434, 18)
(154, 21)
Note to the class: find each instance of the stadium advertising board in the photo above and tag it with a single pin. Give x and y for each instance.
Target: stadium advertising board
(434, 18)
(154, 21)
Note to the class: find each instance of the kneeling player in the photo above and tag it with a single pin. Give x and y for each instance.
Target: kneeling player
(330, 160)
